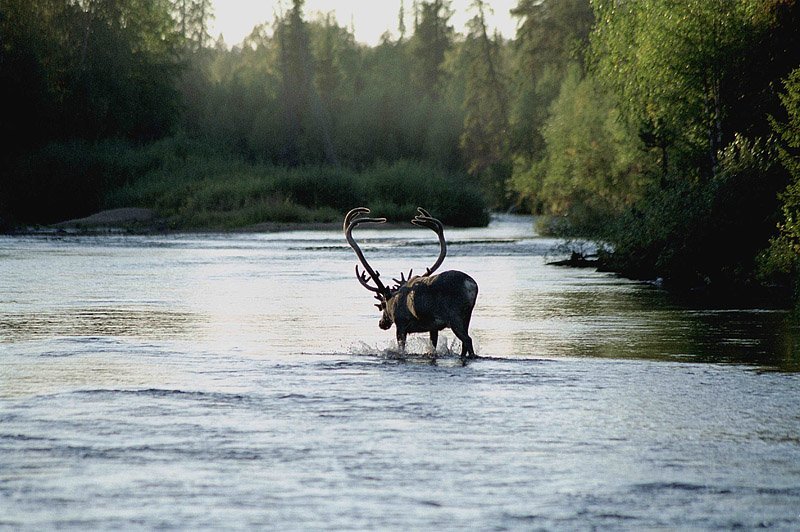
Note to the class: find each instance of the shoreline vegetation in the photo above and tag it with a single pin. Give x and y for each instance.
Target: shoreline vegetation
(142, 221)
(182, 185)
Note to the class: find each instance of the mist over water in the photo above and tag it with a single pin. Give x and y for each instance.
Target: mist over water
(240, 381)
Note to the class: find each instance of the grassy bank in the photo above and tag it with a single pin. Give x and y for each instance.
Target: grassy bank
(195, 188)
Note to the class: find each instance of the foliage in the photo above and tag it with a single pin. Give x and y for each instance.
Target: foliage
(703, 232)
(214, 191)
(68, 179)
(485, 134)
(432, 38)
(551, 35)
(192, 18)
(80, 72)
(592, 169)
(686, 73)
(695, 80)
(336, 102)
(783, 254)
(306, 122)
(87, 70)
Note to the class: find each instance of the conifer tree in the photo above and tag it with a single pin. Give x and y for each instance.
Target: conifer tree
(484, 138)
(433, 37)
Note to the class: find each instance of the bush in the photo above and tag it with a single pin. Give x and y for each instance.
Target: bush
(398, 189)
(704, 232)
(69, 179)
(214, 191)
(782, 258)
(193, 186)
(318, 186)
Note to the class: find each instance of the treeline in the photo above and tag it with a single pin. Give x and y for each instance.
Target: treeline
(96, 82)
(667, 130)
(702, 124)
(673, 137)
(91, 80)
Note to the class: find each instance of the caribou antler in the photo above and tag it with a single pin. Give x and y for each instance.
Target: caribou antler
(354, 218)
(402, 280)
(424, 219)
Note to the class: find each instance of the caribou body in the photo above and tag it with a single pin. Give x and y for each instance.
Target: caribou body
(424, 303)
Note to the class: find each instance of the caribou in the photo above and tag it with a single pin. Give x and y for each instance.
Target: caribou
(417, 304)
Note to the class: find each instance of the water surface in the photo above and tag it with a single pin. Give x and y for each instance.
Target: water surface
(241, 382)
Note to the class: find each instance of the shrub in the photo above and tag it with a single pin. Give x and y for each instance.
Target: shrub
(401, 187)
(211, 190)
(704, 232)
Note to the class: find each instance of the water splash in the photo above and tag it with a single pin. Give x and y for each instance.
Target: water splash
(418, 350)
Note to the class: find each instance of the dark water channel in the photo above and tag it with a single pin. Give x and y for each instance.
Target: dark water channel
(241, 382)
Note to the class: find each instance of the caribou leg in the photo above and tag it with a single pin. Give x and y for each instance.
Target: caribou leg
(434, 341)
(401, 341)
(466, 341)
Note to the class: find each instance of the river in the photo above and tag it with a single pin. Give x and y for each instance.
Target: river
(240, 381)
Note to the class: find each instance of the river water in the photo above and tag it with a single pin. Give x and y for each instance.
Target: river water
(240, 381)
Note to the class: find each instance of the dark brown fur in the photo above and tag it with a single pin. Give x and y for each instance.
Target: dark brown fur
(430, 304)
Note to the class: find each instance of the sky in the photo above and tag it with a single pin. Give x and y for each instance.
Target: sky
(371, 18)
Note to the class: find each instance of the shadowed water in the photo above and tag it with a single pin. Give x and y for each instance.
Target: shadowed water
(241, 382)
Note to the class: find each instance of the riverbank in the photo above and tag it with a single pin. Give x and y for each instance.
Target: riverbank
(140, 221)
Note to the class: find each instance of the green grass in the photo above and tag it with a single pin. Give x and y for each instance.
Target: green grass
(194, 187)
(206, 190)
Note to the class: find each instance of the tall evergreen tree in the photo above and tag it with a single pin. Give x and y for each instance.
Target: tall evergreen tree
(551, 34)
(401, 22)
(484, 137)
(328, 75)
(193, 18)
(433, 37)
(307, 128)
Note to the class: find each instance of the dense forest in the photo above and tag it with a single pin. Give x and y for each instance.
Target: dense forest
(667, 130)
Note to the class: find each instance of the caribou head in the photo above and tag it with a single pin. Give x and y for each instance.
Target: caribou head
(425, 303)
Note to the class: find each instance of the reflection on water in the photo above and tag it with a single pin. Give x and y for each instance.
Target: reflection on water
(91, 322)
(639, 321)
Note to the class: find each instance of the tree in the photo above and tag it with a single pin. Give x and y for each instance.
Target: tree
(551, 34)
(74, 74)
(784, 251)
(193, 18)
(432, 38)
(693, 78)
(675, 67)
(27, 87)
(484, 137)
(306, 120)
(401, 22)
(101, 68)
(592, 170)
